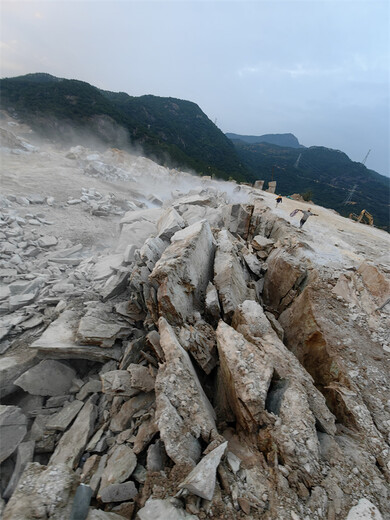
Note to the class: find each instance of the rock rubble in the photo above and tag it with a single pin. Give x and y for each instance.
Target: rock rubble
(207, 367)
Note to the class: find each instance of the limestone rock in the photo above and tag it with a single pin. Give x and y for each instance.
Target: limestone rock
(199, 340)
(97, 331)
(169, 223)
(49, 377)
(184, 271)
(240, 218)
(364, 510)
(213, 308)
(43, 493)
(120, 465)
(98, 514)
(24, 455)
(140, 377)
(245, 374)
(118, 382)
(183, 410)
(119, 492)
(122, 419)
(74, 440)
(13, 428)
(228, 274)
(11, 367)
(61, 420)
(201, 480)
(163, 510)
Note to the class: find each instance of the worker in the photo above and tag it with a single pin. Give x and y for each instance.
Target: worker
(278, 200)
(305, 216)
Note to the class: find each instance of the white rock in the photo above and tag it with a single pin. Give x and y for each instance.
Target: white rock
(364, 510)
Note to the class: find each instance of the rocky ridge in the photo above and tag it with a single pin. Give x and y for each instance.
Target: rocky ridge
(212, 362)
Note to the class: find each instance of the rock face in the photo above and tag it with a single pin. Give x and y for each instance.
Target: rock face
(200, 358)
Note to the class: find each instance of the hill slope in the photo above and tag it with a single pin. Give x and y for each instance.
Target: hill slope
(280, 139)
(171, 130)
(326, 175)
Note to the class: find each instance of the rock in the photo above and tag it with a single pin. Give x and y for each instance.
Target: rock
(13, 428)
(199, 340)
(129, 254)
(155, 460)
(245, 374)
(58, 341)
(213, 308)
(260, 243)
(140, 377)
(184, 271)
(98, 514)
(252, 262)
(282, 279)
(118, 382)
(43, 438)
(146, 432)
(122, 419)
(240, 219)
(115, 285)
(49, 377)
(47, 241)
(137, 226)
(61, 420)
(201, 480)
(93, 470)
(228, 274)
(119, 492)
(11, 367)
(43, 493)
(97, 331)
(73, 442)
(21, 300)
(151, 251)
(120, 465)
(169, 222)
(364, 510)
(163, 510)
(183, 411)
(91, 387)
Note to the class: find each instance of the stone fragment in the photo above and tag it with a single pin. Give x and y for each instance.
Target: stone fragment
(364, 510)
(146, 432)
(213, 308)
(91, 387)
(115, 285)
(98, 514)
(201, 480)
(119, 492)
(184, 271)
(199, 340)
(151, 251)
(129, 254)
(169, 222)
(21, 300)
(163, 510)
(97, 331)
(183, 411)
(140, 377)
(13, 428)
(122, 419)
(73, 442)
(240, 219)
(260, 243)
(155, 460)
(61, 420)
(43, 492)
(47, 241)
(137, 226)
(245, 374)
(11, 367)
(118, 382)
(43, 438)
(49, 377)
(120, 465)
(229, 276)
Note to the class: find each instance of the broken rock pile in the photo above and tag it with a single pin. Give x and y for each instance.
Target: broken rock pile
(208, 369)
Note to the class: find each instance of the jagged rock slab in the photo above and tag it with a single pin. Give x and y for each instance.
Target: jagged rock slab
(122, 419)
(183, 411)
(73, 442)
(61, 420)
(137, 226)
(245, 374)
(11, 367)
(169, 222)
(13, 428)
(115, 285)
(184, 271)
(152, 250)
(201, 480)
(229, 276)
(163, 510)
(106, 266)
(58, 341)
(24, 455)
(118, 382)
(49, 377)
(119, 492)
(140, 377)
(97, 331)
(213, 308)
(43, 492)
(199, 340)
(251, 321)
(120, 465)
(364, 510)
(240, 219)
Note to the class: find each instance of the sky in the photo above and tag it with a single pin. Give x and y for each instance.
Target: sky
(316, 68)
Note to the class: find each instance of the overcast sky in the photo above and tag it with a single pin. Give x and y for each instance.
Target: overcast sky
(316, 68)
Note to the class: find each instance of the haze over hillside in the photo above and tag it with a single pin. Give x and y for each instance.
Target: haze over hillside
(177, 133)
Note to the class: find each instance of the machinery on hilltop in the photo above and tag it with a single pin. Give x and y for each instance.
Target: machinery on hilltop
(364, 218)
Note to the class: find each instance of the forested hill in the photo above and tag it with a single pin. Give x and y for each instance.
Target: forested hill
(172, 131)
(326, 176)
(288, 140)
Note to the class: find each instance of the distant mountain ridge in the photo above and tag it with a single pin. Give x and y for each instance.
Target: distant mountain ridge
(288, 140)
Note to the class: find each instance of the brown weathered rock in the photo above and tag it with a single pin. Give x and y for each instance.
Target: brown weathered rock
(122, 419)
(199, 340)
(140, 377)
(240, 219)
(120, 465)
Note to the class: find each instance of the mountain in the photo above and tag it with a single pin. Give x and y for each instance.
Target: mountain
(280, 139)
(172, 131)
(326, 176)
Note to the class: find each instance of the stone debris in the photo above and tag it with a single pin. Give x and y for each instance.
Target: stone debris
(197, 360)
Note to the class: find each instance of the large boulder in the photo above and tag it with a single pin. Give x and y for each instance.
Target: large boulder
(49, 377)
(183, 272)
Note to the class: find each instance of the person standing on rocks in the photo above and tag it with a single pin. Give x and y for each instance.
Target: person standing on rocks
(278, 200)
(305, 216)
